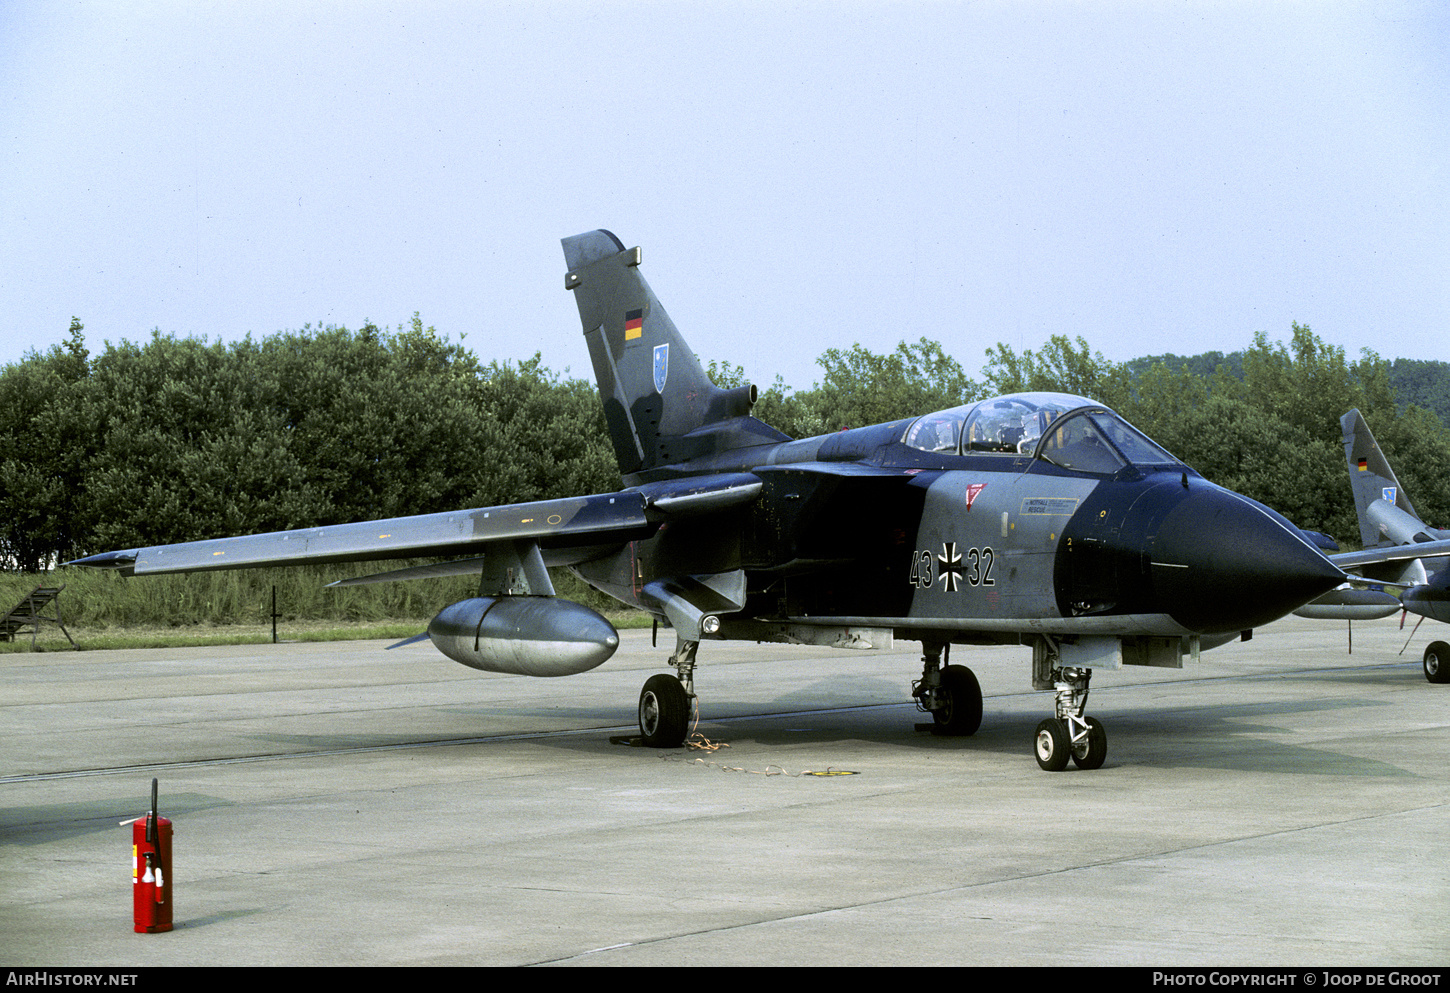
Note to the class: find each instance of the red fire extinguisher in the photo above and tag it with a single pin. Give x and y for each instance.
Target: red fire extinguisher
(151, 878)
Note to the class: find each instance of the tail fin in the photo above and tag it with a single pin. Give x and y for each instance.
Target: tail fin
(1386, 516)
(660, 406)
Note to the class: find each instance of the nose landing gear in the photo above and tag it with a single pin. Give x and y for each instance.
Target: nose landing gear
(1070, 734)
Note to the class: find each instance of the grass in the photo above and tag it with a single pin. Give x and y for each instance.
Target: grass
(105, 610)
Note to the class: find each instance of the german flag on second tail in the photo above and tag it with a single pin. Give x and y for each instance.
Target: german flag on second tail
(633, 324)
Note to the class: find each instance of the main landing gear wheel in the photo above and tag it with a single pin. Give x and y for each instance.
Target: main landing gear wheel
(951, 694)
(1437, 662)
(960, 712)
(1092, 750)
(1052, 745)
(664, 712)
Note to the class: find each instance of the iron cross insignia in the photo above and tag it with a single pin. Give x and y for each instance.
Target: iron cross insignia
(949, 567)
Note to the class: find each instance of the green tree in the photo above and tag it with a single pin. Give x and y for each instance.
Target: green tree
(539, 437)
(1163, 406)
(1308, 385)
(1417, 444)
(795, 414)
(1424, 384)
(47, 433)
(861, 388)
(323, 426)
(1059, 367)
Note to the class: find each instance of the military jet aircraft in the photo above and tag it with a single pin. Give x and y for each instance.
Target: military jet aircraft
(1035, 519)
(1396, 546)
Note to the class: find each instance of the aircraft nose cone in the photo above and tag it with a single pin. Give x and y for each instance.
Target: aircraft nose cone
(1222, 563)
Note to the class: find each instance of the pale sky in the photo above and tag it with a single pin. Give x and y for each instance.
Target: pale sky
(1152, 176)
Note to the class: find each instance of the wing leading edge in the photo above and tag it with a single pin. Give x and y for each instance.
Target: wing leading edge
(563, 523)
(565, 530)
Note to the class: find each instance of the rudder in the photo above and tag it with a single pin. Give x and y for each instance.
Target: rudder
(660, 405)
(1372, 479)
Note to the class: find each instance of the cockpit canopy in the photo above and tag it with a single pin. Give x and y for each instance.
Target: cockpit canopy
(1066, 430)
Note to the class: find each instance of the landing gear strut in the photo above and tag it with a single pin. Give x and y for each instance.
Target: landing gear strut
(664, 703)
(1069, 734)
(952, 694)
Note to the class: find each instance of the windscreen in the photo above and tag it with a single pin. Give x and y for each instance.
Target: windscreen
(1100, 441)
(1066, 430)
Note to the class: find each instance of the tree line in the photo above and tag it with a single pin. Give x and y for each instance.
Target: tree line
(1263, 422)
(174, 439)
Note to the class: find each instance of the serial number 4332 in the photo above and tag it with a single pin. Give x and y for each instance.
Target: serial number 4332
(949, 568)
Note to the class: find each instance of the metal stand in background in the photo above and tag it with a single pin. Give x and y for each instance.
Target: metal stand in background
(274, 615)
(27, 613)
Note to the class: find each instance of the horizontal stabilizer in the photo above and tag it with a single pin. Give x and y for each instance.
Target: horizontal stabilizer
(1397, 553)
(1432, 601)
(1351, 605)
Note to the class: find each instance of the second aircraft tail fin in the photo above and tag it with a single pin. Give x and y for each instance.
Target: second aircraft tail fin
(1386, 516)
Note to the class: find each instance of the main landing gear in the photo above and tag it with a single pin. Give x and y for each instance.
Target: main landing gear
(1069, 734)
(1437, 662)
(951, 695)
(664, 703)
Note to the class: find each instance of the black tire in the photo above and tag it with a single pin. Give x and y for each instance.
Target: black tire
(1051, 745)
(664, 712)
(1092, 752)
(961, 710)
(1437, 662)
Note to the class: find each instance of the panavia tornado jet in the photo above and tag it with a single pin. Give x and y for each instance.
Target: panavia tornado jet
(1396, 547)
(1036, 519)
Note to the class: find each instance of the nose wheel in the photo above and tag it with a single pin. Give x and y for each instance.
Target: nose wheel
(1091, 750)
(1070, 735)
(1052, 745)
